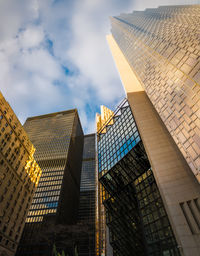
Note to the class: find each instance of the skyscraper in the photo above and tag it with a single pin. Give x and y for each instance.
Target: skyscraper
(157, 54)
(19, 176)
(58, 139)
(162, 48)
(86, 214)
(135, 214)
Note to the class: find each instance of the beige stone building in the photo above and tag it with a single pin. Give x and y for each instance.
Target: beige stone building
(19, 176)
(157, 55)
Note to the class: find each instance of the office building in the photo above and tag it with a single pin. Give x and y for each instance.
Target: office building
(162, 48)
(58, 139)
(135, 214)
(86, 215)
(19, 177)
(157, 54)
(102, 236)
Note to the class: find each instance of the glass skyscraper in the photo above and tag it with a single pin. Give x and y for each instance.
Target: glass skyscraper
(135, 214)
(58, 139)
(86, 214)
(157, 54)
(162, 47)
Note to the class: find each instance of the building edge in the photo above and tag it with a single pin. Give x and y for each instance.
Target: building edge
(178, 187)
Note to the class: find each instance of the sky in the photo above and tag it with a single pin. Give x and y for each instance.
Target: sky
(54, 55)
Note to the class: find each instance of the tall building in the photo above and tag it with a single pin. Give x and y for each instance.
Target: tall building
(58, 139)
(157, 54)
(87, 206)
(102, 236)
(135, 214)
(162, 48)
(19, 176)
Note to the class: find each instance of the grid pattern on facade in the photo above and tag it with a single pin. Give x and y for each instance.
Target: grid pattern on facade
(19, 175)
(162, 47)
(52, 147)
(119, 140)
(158, 232)
(55, 202)
(86, 214)
(135, 213)
(51, 143)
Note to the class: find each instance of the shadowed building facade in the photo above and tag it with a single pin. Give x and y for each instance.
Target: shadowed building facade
(86, 214)
(157, 54)
(58, 139)
(19, 177)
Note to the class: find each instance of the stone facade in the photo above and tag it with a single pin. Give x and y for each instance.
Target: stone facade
(19, 177)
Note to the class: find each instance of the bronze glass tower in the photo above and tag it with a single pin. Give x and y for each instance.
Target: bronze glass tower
(58, 139)
(157, 54)
(19, 176)
(162, 47)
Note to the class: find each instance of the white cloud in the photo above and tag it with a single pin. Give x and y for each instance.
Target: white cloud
(40, 62)
(31, 37)
(89, 50)
(39, 38)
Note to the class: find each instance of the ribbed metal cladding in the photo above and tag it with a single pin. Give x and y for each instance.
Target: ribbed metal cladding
(58, 139)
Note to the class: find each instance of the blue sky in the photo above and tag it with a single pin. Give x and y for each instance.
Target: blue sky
(54, 55)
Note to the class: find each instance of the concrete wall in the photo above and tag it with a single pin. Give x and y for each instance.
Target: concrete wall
(179, 189)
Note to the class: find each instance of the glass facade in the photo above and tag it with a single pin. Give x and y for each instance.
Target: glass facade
(58, 139)
(86, 215)
(119, 140)
(162, 47)
(52, 146)
(135, 213)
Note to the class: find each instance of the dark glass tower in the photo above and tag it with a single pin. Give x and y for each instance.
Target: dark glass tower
(135, 213)
(58, 139)
(86, 215)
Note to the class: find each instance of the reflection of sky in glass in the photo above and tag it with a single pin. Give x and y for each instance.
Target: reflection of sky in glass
(52, 205)
(88, 164)
(50, 135)
(46, 198)
(120, 138)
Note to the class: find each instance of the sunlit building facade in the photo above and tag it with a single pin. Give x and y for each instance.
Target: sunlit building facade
(162, 47)
(58, 138)
(157, 54)
(135, 214)
(19, 177)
